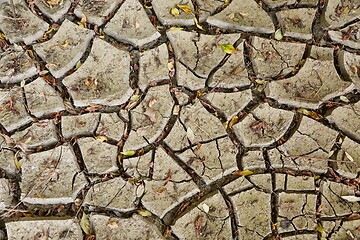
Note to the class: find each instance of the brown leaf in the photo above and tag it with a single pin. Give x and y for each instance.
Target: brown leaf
(168, 177)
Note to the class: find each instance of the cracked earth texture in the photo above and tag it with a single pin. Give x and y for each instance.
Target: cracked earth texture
(180, 119)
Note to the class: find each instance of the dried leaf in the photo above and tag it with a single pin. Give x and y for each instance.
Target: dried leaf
(16, 161)
(22, 83)
(243, 173)
(344, 99)
(85, 224)
(190, 134)
(175, 28)
(259, 81)
(278, 34)
(65, 43)
(233, 121)
(175, 12)
(78, 65)
(185, 8)
(197, 24)
(168, 177)
(101, 138)
(128, 153)
(112, 224)
(82, 23)
(170, 66)
(176, 110)
(351, 159)
(351, 198)
(43, 73)
(228, 48)
(144, 213)
(205, 207)
(309, 113)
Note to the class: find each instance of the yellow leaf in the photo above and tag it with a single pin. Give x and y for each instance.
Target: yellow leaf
(228, 48)
(22, 83)
(85, 224)
(175, 28)
(128, 153)
(16, 161)
(65, 43)
(175, 12)
(351, 159)
(38, 195)
(243, 173)
(344, 99)
(144, 213)
(82, 23)
(185, 8)
(2, 36)
(78, 65)
(233, 120)
(317, 177)
(259, 81)
(170, 66)
(43, 72)
(196, 21)
(190, 135)
(134, 98)
(101, 138)
(309, 113)
(278, 34)
(176, 110)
